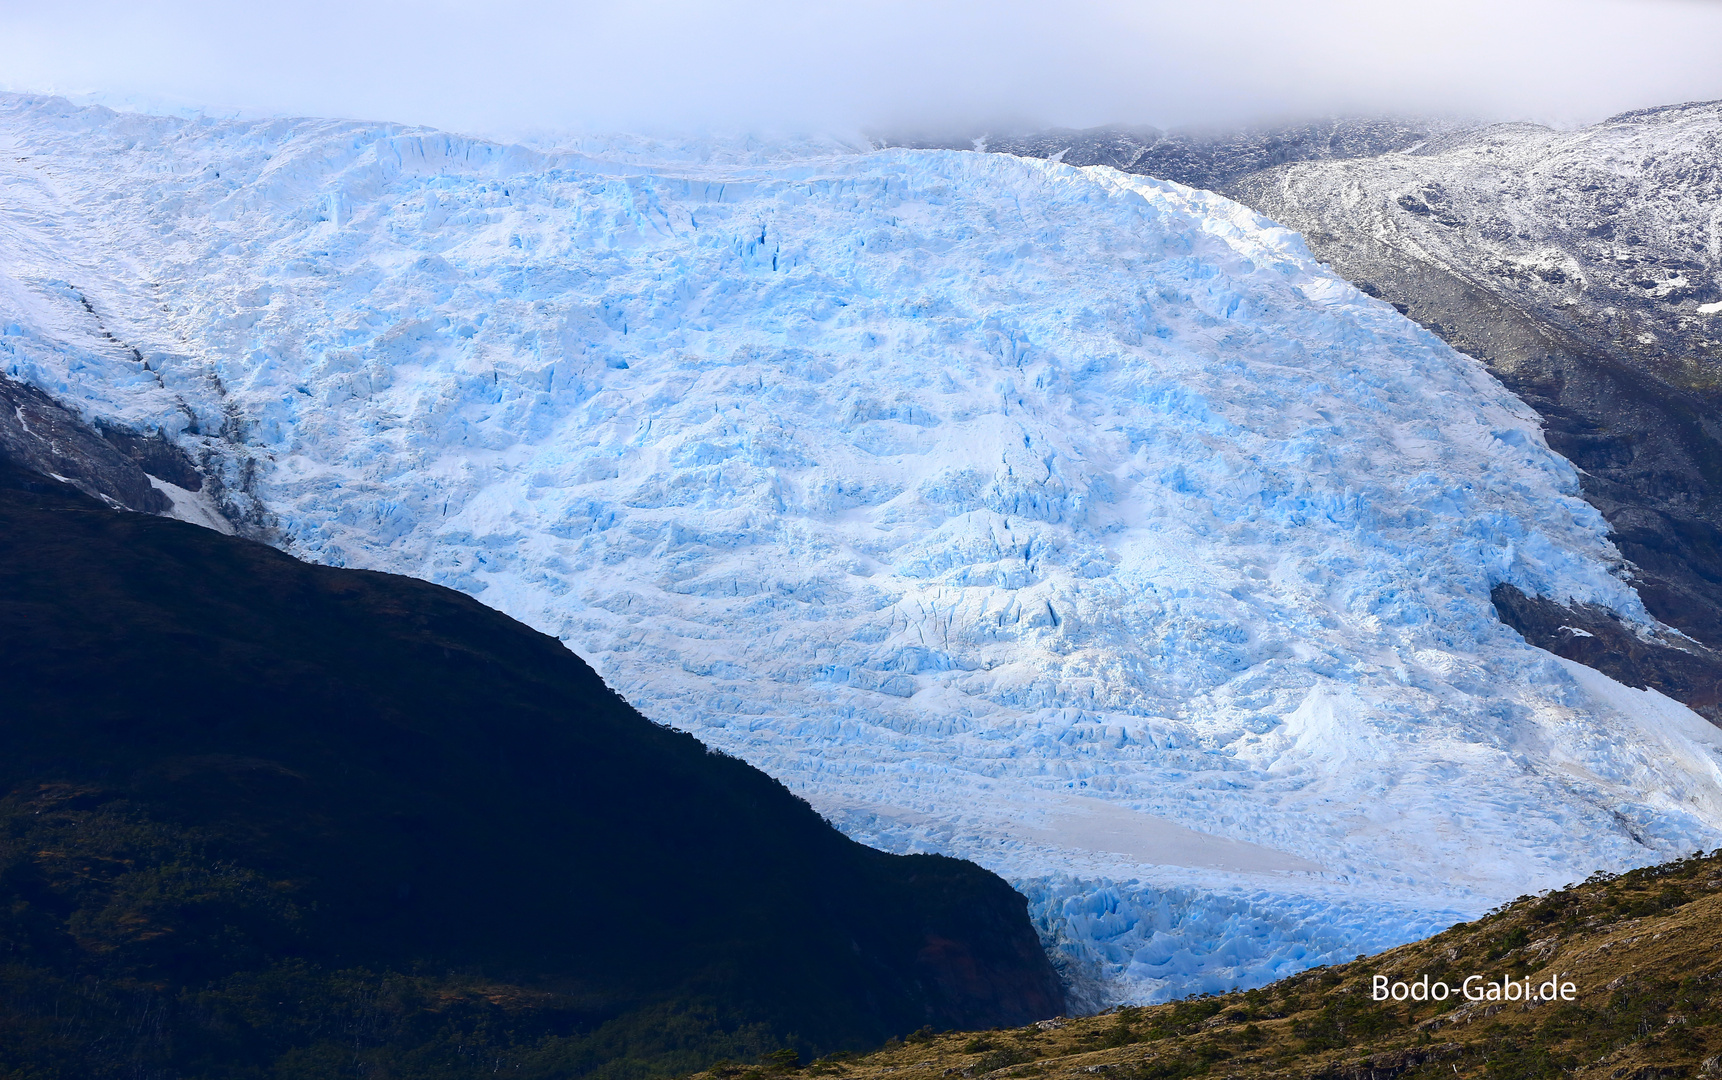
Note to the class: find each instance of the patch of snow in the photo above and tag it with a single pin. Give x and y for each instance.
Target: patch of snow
(195, 507)
(1649, 733)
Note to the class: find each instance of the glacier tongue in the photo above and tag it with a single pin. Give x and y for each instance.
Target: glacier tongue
(1073, 522)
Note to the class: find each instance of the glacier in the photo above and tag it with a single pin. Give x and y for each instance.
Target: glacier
(1070, 521)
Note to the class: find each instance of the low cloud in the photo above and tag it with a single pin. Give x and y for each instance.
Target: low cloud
(508, 67)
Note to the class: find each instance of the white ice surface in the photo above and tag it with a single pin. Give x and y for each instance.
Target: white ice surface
(1074, 522)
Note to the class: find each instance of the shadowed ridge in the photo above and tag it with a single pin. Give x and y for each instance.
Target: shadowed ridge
(39, 434)
(284, 811)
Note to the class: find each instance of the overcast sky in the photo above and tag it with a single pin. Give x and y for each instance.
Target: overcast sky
(508, 67)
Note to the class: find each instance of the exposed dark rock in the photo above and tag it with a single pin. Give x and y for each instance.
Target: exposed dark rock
(156, 456)
(1596, 637)
(257, 815)
(1390, 1066)
(40, 435)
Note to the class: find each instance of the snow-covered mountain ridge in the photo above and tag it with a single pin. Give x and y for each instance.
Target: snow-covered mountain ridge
(1070, 521)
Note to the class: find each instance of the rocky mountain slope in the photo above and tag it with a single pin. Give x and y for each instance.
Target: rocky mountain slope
(1079, 524)
(1623, 975)
(259, 817)
(124, 469)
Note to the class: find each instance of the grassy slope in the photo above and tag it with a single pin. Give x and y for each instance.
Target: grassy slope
(261, 818)
(1643, 950)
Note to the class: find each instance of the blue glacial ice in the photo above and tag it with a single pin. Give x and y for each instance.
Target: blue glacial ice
(1070, 521)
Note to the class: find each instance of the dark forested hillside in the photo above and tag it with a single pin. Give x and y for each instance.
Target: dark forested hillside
(262, 818)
